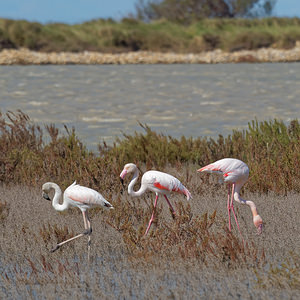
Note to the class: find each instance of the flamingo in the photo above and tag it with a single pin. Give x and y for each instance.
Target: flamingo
(235, 173)
(78, 196)
(158, 182)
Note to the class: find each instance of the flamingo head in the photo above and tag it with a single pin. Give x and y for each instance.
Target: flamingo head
(258, 222)
(128, 168)
(46, 189)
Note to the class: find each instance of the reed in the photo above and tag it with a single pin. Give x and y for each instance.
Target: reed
(270, 148)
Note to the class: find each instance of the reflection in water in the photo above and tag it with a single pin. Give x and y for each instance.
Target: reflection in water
(192, 100)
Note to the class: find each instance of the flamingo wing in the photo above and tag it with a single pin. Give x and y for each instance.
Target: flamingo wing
(85, 196)
(232, 169)
(164, 182)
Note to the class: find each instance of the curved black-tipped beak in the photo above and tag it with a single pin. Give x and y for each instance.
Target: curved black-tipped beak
(45, 196)
(122, 181)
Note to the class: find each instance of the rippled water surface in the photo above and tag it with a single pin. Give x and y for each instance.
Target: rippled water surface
(103, 101)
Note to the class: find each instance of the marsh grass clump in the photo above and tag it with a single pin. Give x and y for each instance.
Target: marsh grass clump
(54, 234)
(190, 237)
(270, 148)
(27, 158)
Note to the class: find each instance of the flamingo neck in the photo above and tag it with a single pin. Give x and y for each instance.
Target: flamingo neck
(257, 220)
(252, 205)
(131, 192)
(57, 195)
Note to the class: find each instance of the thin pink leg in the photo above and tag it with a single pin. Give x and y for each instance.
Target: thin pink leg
(152, 217)
(171, 207)
(228, 207)
(231, 206)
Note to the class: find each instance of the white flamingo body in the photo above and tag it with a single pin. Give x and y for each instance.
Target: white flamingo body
(158, 182)
(235, 173)
(163, 183)
(78, 196)
(83, 197)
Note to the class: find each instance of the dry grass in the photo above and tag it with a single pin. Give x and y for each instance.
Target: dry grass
(190, 255)
(270, 148)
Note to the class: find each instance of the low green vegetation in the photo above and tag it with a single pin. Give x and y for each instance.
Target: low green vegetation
(161, 35)
(270, 148)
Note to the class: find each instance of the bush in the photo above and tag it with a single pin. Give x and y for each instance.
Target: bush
(270, 148)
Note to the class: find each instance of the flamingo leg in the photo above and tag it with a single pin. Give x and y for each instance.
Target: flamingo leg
(231, 207)
(88, 228)
(69, 240)
(88, 231)
(228, 207)
(152, 217)
(171, 207)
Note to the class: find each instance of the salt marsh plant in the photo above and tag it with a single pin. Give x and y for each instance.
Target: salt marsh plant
(270, 148)
(186, 255)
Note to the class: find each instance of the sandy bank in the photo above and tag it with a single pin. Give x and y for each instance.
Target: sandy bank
(27, 57)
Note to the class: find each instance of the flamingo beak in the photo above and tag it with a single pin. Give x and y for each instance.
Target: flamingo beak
(108, 205)
(259, 229)
(45, 196)
(122, 175)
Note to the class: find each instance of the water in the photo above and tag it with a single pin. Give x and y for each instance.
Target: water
(102, 101)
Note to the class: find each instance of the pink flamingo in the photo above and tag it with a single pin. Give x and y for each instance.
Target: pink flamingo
(155, 181)
(78, 196)
(235, 173)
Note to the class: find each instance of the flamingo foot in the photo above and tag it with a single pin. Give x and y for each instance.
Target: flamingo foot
(54, 249)
(173, 214)
(88, 231)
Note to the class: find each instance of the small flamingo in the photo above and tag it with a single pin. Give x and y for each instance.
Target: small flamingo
(155, 181)
(78, 196)
(235, 173)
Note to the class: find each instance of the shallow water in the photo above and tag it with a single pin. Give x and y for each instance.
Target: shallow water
(102, 101)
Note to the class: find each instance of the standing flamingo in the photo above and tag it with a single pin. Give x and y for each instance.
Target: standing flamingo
(235, 173)
(79, 196)
(155, 181)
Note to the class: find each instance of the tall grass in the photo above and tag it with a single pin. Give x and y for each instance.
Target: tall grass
(270, 148)
(132, 35)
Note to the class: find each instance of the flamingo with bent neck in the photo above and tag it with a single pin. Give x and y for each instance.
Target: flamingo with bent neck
(158, 182)
(235, 173)
(78, 196)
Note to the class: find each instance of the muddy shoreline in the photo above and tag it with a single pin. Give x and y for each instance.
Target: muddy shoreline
(27, 57)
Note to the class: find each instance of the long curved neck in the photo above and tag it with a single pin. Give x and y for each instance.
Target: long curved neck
(55, 202)
(238, 198)
(131, 192)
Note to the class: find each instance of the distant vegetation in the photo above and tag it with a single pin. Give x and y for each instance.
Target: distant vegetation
(189, 11)
(229, 34)
(270, 148)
